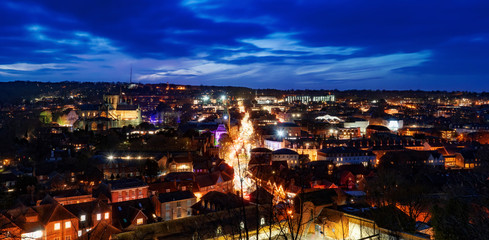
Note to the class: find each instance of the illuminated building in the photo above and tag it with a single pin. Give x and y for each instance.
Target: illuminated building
(287, 155)
(123, 190)
(305, 99)
(221, 129)
(174, 205)
(265, 99)
(112, 114)
(393, 124)
(357, 123)
(288, 130)
(346, 155)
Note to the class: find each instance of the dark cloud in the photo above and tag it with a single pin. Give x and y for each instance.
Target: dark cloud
(273, 43)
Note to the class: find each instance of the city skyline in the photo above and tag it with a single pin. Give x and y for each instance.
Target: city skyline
(274, 44)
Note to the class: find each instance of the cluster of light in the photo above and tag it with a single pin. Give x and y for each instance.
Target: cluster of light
(238, 155)
(280, 133)
(32, 235)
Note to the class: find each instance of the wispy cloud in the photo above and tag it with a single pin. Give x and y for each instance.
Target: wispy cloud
(286, 42)
(187, 68)
(30, 66)
(365, 67)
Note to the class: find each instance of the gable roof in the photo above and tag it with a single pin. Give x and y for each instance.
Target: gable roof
(128, 210)
(284, 151)
(175, 196)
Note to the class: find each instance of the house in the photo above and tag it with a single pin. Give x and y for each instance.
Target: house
(221, 181)
(468, 160)
(346, 155)
(310, 204)
(412, 158)
(174, 205)
(122, 190)
(129, 214)
(181, 163)
(217, 201)
(71, 196)
(46, 221)
(285, 154)
(90, 215)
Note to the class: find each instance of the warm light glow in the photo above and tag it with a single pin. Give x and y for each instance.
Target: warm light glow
(57, 226)
(238, 155)
(32, 235)
(139, 221)
(111, 157)
(198, 195)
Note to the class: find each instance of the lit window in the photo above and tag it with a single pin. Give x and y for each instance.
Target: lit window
(99, 216)
(262, 221)
(79, 233)
(68, 224)
(57, 226)
(83, 218)
(106, 215)
(139, 221)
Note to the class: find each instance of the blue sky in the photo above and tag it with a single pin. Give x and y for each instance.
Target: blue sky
(285, 44)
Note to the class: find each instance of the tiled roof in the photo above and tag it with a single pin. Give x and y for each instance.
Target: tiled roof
(175, 196)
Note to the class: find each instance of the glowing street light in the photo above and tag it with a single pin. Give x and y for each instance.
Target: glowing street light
(223, 98)
(281, 133)
(111, 157)
(205, 98)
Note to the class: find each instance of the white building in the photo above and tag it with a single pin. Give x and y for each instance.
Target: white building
(285, 154)
(346, 155)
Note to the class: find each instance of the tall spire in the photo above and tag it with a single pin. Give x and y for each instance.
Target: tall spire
(130, 76)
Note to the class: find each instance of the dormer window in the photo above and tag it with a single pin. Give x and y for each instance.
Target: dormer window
(106, 215)
(83, 218)
(99, 216)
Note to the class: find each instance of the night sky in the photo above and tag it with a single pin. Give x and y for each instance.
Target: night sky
(284, 44)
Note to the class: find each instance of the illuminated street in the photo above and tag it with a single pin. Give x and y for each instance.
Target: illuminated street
(238, 156)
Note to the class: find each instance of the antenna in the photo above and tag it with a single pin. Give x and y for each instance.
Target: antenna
(130, 76)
